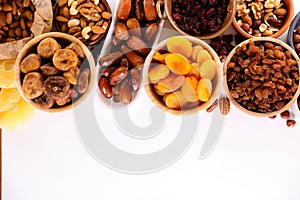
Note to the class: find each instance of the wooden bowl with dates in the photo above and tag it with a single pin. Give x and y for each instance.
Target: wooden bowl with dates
(263, 18)
(54, 72)
(261, 76)
(87, 20)
(182, 75)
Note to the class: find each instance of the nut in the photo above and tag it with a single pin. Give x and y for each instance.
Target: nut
(73, 22)
(85, 32)
(263, 28)
(70, 2)
(73, 10)
(257, 10)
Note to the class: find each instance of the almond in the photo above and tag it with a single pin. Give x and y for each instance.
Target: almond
(61, 19)
(7, 7)
(98, 30)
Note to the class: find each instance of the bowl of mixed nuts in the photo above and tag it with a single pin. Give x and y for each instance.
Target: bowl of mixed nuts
(202, 19)
(266, 18)
(182, 75)
(87, 20)
(54, 72)
(261, 76)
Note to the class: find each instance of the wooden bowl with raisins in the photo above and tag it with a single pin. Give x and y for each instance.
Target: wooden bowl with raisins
(202, 19)
(182, 75)
(265, 18)
(54, 72)
(261, 76)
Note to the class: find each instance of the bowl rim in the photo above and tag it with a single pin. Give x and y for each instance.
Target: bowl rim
(23, 52)
(285, 26)
(294, 25)
(231, 9)
(91, 43)
(236, 104)
(217, 89)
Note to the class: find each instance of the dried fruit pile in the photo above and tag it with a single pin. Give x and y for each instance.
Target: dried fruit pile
(52, 75)
(13, 109)
(183, 75)
(199, 17)
(16, 18)
(262, 76)
(134, 32)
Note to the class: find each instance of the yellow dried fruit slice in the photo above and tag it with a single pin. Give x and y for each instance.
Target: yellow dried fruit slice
(178, 64)
(158, 72)
(208, 69)
(7, 74)
(189, 89)
(202, 56)
(18, 114)
(204, 89)
(175, 100)
(180, 45)
(8, 98)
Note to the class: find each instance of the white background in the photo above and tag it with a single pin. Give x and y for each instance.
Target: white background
(255, 159)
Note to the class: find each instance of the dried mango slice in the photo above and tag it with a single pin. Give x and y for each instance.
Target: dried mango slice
(18, 114)
(8, 98)
(7, 74)
(178, 64)
(180, 45)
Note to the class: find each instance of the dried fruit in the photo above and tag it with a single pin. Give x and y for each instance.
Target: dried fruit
(158, 72)
(65, 59)
(83, 81)
(105, 87)
(47, 47)
(203, 55)
(208, 69)
(180, 45)
(7, 74)
(8, 98)
(30, 63)
(175, 100)
(124, 9)
(178, 64)
(44, 102)
(170, 83)
(204, 89)
(32, 85)
(56, 87)
(189, 89)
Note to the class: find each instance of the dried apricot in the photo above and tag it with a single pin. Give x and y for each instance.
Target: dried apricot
(170, 83)
(160, 57)
(202, 56)
(158, 72)
(178, 64)
(189, 89)
(194, 70)
(175, 100)
(195, 52)
(208, 69)
(204, 89)
(180, 45)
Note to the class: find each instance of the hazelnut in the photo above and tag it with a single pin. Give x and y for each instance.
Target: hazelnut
(296, 38)
(246, 27)
(257, 23)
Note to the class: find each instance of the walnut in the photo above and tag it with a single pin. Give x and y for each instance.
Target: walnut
(257, 10)
(242, 9)
(273, 4)
(89, 11)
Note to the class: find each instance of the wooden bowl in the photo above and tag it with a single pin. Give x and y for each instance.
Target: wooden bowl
(240, 107)
(290, 14)
(58, 25)
(63, 39)
(157, 100)
(227, 22)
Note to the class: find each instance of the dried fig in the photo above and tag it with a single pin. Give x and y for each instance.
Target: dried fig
(56, 87)
(63, 101)
(44, 102)
(72, 75)
(47, 47)
(30, 63)
(65, 59)
(77, 49)
(49, 70)
(32, 85)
